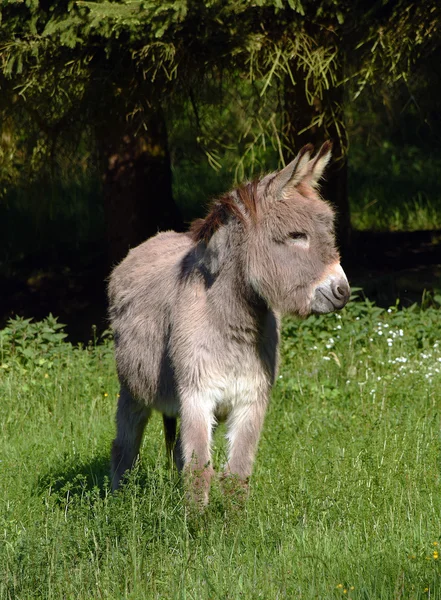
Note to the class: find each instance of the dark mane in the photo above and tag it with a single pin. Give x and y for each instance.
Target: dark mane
(223, 208)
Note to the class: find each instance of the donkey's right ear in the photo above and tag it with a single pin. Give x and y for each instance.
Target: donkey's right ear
(293, 173)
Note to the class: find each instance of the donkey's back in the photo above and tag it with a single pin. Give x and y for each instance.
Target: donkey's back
(143, 290)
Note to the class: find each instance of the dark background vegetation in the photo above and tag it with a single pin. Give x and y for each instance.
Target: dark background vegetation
(119, 119)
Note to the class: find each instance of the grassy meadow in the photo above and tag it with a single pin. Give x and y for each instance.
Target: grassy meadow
(345, 498)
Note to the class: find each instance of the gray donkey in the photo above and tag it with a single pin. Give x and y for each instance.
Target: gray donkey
(196, 317)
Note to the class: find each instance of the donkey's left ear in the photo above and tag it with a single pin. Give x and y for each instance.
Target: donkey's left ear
(319, 163)
(293, 173)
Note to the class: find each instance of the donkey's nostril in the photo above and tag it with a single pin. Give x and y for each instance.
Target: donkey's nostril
(337, 291)
(340, 292)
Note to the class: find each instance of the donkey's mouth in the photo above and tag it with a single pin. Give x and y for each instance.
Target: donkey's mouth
(323, 303)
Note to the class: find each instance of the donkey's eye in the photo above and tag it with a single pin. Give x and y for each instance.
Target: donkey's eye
(297, 235)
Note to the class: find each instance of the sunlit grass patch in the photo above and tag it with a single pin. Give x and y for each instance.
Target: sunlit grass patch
(394, 188)
(380, 214)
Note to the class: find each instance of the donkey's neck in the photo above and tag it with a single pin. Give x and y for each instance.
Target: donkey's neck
(245, 319)
(235, 306)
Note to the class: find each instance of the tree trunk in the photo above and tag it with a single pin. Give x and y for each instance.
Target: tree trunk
(138, 199)
(299, 116)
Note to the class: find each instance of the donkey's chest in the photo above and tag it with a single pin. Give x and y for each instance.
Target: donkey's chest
(235, 387)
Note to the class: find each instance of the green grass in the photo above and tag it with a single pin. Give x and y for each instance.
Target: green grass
(345, 498)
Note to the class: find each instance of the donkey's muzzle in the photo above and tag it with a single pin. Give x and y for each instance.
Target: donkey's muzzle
(332, 292)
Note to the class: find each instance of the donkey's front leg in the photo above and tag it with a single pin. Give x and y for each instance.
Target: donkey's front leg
(195, 443)
(243, 432)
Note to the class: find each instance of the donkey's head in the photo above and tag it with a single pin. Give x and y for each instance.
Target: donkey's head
(288, 254)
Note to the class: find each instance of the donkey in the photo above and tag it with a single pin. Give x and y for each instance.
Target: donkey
(196, 317)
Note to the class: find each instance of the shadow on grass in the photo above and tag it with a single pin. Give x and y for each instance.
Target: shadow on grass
(77, 478)
(90, 480)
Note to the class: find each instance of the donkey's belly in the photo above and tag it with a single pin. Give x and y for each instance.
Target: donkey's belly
(167, 405)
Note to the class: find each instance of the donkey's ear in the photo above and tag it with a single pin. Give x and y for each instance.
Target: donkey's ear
(319, 163)
(294, 172)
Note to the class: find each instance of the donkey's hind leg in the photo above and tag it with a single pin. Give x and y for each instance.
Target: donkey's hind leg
(177, 454)
(131, 419)
(170, 437)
